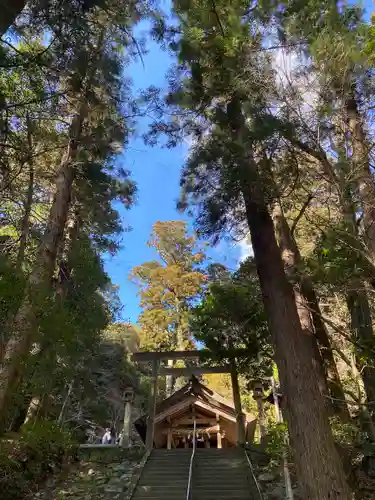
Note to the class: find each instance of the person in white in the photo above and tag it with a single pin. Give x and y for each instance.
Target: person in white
(107, 438)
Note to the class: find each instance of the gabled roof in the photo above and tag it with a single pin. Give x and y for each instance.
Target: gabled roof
(194, 392)
(191, 391)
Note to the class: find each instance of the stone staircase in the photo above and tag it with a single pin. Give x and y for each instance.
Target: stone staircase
(165, 476)
(221, 474)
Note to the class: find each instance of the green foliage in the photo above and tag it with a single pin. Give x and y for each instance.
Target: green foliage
(276, 442)
(347, 434)
(28, 458)
(371, 43)
(169, 287)
(48, 79)
(231, 316)
(100, 393)
(11, 288)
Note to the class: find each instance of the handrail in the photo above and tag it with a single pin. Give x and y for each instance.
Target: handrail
(191, 462)
(253, 474)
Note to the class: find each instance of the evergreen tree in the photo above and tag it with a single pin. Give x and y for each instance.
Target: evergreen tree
(230, 317)
(95, 128)
(223, 90)
(169, 288)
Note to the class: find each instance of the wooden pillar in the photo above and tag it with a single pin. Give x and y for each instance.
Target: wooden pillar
(126, 429)
(169, 379)
(237, 405)
(169, 435)
(219, 443)
(152, 406)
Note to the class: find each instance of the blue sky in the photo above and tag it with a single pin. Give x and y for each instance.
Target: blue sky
(156, 172)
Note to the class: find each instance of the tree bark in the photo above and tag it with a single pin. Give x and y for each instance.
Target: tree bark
(9, 12)
(359, 308)
(41, 397)
(66, 401)
(362, 329)
(24, 324)
(319, 467)
(65, 264)
(362, 173)
(357, 299)
(309, 313)
(25, 224)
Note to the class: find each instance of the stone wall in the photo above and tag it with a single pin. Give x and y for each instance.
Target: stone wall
(102, 473)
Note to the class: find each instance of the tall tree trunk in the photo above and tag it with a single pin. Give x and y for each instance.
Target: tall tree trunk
(362, 329)
(359, 308)
(24, 324)
(319, 467)
(309, 312)
(66, 402)
(362, 173)
(65, 264)
(25, 224)
(357, 299)
(41, 396)
(10, 9)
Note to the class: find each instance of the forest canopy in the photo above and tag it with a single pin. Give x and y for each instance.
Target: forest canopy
(275, 101)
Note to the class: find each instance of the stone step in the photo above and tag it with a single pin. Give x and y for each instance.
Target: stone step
(220, 467)
(162, 463)
(168, 463)
(171, 453)
(169, 470)
(201, 483)
(219, 470)
(227, 464)
(217, 475)
(229, 496)
(160, 492)
(162, 496)
(157, 481)
(216, 487)
(210, 452)
(221, 494)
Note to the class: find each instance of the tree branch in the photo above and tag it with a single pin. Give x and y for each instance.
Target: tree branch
(301, 212)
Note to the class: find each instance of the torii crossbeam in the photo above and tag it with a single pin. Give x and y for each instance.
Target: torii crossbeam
(202, 355)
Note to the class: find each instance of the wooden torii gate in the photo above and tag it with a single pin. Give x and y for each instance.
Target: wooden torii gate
(156, 357)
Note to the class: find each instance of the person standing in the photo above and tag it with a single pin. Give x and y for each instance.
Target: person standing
(107, 437)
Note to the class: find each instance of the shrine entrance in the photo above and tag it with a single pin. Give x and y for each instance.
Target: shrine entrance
(194, 411)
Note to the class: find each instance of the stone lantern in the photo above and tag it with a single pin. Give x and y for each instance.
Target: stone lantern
(126, 429)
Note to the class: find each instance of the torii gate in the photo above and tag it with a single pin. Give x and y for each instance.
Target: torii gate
(156, 357)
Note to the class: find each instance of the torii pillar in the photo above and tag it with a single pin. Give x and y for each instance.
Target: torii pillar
(152, 405)
(240, 416)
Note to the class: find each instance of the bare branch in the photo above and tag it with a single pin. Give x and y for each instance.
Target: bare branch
(301, 212)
